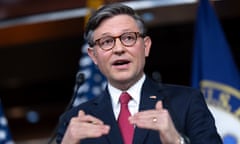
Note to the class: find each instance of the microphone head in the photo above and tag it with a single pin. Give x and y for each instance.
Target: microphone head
(80, 78)
(157, 76)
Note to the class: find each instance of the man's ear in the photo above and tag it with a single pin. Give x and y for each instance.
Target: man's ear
(147, 45)
(92, 54)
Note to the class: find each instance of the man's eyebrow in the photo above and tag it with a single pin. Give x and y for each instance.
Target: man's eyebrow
(111, 34)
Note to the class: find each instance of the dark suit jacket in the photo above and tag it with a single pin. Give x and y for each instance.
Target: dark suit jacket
(186, 106)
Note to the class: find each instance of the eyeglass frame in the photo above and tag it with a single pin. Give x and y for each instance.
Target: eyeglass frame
(137, 35)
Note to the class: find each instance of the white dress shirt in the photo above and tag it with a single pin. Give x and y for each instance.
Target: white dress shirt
(134, 92)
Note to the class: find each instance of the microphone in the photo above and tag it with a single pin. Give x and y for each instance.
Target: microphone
(78, 82)
(156, 76)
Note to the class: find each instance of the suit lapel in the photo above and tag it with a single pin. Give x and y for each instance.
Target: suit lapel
(150, 94)
(103, 111)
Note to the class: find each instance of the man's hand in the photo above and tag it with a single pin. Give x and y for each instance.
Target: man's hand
(157, 119)
(84, 126)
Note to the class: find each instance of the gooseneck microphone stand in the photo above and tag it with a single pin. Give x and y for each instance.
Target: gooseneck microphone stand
(79, 81)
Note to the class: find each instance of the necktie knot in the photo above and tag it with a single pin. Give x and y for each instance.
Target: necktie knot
(124, 98)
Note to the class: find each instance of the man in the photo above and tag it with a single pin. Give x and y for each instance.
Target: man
(160, 114)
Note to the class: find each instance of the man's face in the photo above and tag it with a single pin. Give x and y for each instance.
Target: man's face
(122, 65)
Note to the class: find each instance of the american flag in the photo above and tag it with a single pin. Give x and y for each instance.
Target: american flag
(94, 81)
(5, 136)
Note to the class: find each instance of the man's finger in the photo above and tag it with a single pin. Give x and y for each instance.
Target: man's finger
(81, 113)
(159, 105)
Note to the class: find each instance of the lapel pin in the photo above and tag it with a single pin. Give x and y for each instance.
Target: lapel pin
(153, 97)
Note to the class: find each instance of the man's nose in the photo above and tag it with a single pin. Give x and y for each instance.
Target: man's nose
(118, 47)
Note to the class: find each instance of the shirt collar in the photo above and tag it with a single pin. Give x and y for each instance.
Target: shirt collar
(134, 91)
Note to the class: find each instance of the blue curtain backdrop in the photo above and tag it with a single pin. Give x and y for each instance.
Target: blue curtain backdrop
(5, 135)
(215, 72)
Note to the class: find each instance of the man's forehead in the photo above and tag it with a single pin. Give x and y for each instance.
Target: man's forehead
(115, 25)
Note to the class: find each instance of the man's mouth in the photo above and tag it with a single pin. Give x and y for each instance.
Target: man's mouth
(121, 62)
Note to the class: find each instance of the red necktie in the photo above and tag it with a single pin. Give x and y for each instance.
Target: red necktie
(125, 127)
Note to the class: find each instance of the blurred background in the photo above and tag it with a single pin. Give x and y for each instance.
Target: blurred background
(40, 49)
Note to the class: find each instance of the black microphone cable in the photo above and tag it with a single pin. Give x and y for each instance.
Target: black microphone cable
(79, 81)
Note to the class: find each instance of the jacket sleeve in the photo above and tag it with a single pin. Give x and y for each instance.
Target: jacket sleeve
(191, 115)
(200, 123)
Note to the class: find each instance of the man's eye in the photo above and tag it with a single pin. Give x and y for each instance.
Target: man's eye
(128, 38)
(107, 41)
